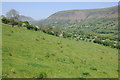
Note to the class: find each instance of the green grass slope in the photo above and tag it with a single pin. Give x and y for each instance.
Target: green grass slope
(28, 54)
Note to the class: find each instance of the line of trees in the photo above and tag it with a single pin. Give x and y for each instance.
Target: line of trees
(12, 18)
(107, 43)
(18, 23)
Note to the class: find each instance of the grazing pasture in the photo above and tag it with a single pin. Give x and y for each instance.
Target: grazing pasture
(34, 54)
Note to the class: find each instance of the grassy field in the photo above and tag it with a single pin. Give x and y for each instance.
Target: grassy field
(28, 54)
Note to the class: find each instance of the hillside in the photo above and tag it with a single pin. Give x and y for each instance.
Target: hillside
(85, 14)
(34, 54)
(83, 23)
(25, 18)
(69, 17)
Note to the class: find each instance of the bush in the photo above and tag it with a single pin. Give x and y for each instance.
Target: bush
(97, 41)
(42, 75)
(108, 43)
(5, 20)
(118, 46)
(26, 22)
(86, 73)
(20, 23)
(30, 26)
(90, 40)
(67, 35)
(93, 68)
(13, 23)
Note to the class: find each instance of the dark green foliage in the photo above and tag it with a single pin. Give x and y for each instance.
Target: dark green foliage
(14, 72)
(26, 22)
(86, 73)
(30, 27)
(13, 22)
(101, 58)
(67, 35)
(12, 31)
(117, 46)
(10, 54)
(20, 24)
(37, 39)
(5, 20)
(108, 43)
(43, 38)
(90, 40)
(47, 55)
(53, 54)
(8, 34)
(36, 29)
(42, 75)
(93, 68)
(61, 51)
(97, 41)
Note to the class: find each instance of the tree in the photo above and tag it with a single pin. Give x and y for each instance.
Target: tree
(49, 29)
(13, 14)
(97, 40)
(57, 30)
(5, 20)
(13, 23)
(30, 27)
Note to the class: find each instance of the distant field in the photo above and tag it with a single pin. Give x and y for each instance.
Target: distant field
(34, 54)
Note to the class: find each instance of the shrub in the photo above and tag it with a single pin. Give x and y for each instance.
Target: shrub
(61, 51)
(93, 68)
(101, 57)
(30, 26)
(47, 55)
(86, 73)
(61, 46)
(43, 38)
(53, 54)
(37, 39)
(42, 75)
(10, 54)
(5, 20)
(90, 40)
(20, 23)
(13, 23)
(97, 41)
(26, 22)
(67, 35)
